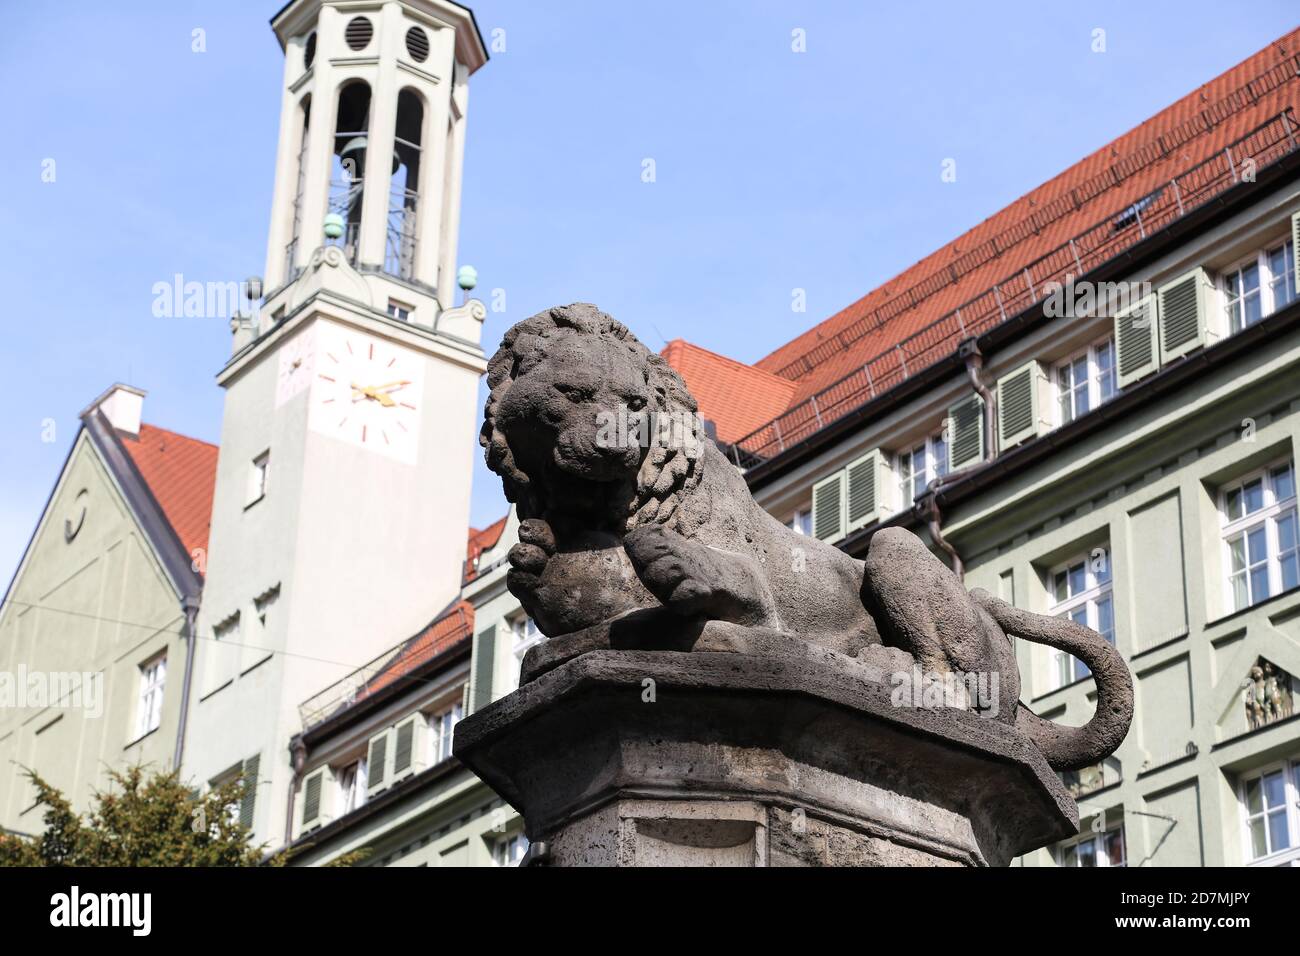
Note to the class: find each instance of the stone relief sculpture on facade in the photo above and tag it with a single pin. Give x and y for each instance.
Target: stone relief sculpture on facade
(636, 532)
(1266, 695)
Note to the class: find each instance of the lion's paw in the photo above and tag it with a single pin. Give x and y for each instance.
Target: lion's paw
(693, 579)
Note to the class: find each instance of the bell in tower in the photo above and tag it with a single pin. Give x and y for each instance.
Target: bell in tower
(371, 149)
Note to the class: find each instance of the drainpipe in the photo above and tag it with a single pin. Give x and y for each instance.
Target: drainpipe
(969, 351)
(297, 760)
(190, 605)
(927, 507)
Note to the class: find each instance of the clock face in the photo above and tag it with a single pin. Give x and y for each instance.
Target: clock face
(297, 357)
(368, 392)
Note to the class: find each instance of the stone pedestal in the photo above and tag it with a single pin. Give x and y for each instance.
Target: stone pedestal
(725, 758)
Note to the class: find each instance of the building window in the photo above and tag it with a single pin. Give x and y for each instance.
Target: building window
(352, 786)
(509, 850)
(399, 311)
(526, 636)
(257, 477)
(1081, 591)
(153, 677)
(801, 521)
(1271, 815)
(917, 466)
(1098, 849)
(1085, 381)
(1259, 534)
(1259, 286)
(442, 727)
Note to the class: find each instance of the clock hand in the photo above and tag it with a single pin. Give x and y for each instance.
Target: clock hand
(373, 393)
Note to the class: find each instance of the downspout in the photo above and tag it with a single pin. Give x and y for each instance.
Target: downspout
(297, 760)
(927, 509)
(969, 351)
(190, 605)
(927, 506)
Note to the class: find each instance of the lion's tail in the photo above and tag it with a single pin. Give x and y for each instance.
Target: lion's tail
(1071, 748)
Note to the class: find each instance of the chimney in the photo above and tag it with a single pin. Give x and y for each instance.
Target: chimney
(122, 406)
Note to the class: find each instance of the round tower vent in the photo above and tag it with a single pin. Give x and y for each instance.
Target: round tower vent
(417, 44)
(358, 33)
(309, 54)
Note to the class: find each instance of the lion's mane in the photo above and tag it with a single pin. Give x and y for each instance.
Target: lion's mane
(668, 473)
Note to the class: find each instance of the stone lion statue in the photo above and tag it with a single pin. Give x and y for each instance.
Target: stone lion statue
(627, 508)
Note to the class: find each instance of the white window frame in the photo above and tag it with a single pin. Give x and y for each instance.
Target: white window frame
(933, 452)
(1267, 290)
(1266, 518)
(352, 782)
(399, 310)
(1097, 587)
(258, 472)
(153, 682)
(526, 636)
(1097, 841)
(1092, 384)
(1290, 810)
(800, 521)
(509, 849)
(442, 731)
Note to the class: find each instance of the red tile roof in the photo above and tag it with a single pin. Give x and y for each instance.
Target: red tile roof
(1102, 186)
(181, 472)
(444, 633)
(480, 541)
(738, 398)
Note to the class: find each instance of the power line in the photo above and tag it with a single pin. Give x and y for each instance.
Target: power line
(225, 643)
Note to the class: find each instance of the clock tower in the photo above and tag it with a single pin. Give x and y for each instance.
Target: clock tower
(343, 483)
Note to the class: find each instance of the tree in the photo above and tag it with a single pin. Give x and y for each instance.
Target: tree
(142, 820)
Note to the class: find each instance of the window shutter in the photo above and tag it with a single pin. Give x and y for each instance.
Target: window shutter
(313, 793)
(407, 747)
(828, 508)
(377, 763)
(1295, 248)
(485, 650)
(1184, 308)
(965, 427)
(864, 491)
(1019, 415)
(248, 805)
(1135, 342)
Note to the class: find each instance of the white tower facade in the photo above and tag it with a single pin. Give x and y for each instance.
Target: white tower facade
(343, 483)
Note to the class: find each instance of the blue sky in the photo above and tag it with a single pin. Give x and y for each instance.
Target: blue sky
(775, 170)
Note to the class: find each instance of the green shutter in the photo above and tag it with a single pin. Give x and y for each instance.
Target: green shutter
(485, 650)
(1018, 405)
(377, 763)
(965, 427)
(311, 797)
(864, 491)
(1184, 309)
(403, 747)
(248, 805)
(1135, 342)
(828, 507)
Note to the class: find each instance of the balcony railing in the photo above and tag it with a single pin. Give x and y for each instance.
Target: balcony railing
(390, 667)
(1091, 248)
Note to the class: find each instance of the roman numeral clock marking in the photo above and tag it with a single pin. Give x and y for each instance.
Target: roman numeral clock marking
(379, 385)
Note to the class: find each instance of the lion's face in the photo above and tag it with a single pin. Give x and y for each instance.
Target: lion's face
(561, 416)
